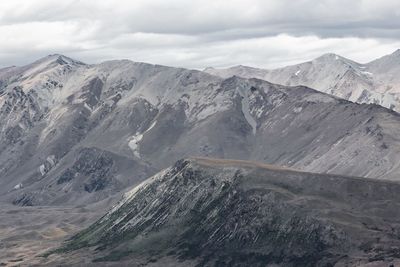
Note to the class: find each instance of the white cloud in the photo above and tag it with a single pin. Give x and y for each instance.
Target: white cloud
(195, 34)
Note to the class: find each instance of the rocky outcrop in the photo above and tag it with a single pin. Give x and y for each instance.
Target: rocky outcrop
(237, 213)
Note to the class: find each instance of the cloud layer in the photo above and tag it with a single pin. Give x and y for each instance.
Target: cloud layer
(196, 34)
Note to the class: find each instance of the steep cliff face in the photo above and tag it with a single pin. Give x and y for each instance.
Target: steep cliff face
(237, 213)
(375, 82)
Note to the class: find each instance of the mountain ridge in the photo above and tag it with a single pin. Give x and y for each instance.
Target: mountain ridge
(138, 118)
(207, 207)
(373, 82)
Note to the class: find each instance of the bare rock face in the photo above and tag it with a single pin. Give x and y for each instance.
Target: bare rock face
(238, 213)
(93, 165)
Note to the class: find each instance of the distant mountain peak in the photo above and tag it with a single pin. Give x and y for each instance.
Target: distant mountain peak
(374, 82)
(329, 56)
(245, 67)
(208, 69)
(387, 63)
(59, 59)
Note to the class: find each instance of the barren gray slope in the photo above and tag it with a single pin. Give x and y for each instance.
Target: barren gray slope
(238, 213)
(73, 133)
(375, 82)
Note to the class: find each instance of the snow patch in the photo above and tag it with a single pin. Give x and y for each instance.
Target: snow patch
(18, 186)
(42, 169)
(134, 140)
(151, 126)
(87, 107)
(133, 144)
(367, 73)
(297, 110)
(297, 72)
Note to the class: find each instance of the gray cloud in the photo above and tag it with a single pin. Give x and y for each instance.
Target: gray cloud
(197, 34)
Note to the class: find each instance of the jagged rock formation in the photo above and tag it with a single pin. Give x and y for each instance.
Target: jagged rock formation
(62, 119)
(238, 213)
(376, 82)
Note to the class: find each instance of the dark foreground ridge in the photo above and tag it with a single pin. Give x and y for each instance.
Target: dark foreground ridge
(208, 212)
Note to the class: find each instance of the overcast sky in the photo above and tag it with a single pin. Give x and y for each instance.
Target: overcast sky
(197, 34)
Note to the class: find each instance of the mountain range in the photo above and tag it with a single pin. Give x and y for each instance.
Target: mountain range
(76, 133)
(375, 82)
(280, 161)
